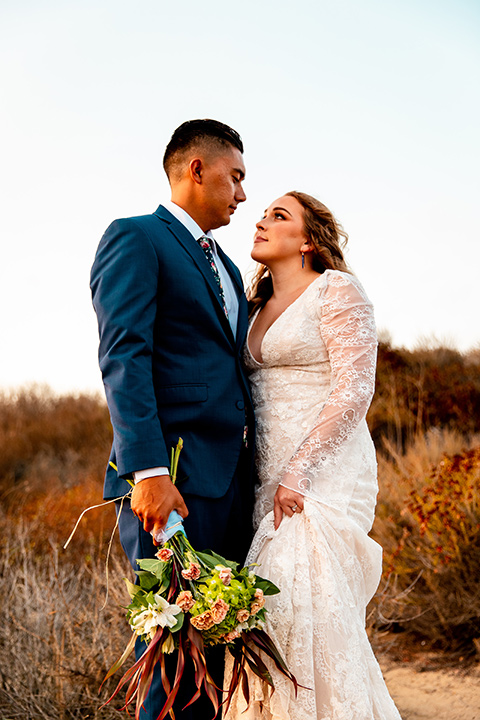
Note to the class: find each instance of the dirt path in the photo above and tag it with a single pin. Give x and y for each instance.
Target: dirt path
(433, 694)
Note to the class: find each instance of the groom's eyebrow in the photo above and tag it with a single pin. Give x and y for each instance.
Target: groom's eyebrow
(240, 172)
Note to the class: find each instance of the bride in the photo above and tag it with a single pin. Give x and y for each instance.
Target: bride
(311, 355)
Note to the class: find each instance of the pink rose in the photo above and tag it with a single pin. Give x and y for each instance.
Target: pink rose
(243, 615)
(164, 554)
(225, 575)
(259, 601)
(231, 636)
(192, 572)
(185, 600)
(204, 621)
(219, 610)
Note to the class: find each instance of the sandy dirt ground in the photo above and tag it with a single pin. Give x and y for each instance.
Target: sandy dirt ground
(441, 694)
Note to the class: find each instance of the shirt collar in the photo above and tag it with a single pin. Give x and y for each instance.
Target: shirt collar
(187, 221)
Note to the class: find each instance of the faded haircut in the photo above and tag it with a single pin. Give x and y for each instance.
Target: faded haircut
(197, 135)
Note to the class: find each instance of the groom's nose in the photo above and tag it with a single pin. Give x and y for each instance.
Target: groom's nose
(240, 194)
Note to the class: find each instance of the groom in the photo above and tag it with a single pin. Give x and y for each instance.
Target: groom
(172, 320)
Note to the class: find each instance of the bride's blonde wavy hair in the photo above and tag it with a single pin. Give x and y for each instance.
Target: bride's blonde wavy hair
(328, 239)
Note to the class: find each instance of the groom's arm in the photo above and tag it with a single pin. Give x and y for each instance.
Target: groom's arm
(124, 282)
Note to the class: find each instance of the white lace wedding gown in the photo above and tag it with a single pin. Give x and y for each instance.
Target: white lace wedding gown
(311, 393)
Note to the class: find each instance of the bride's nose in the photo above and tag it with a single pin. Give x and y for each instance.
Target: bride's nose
(260, 225)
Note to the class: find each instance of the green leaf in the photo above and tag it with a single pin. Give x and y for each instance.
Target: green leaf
(212, 559)
(164, 585)
(207, 559)
(139, 602)
(179, 623)
(157, 567)
(146, 579)
(268, 587)
(131, 588)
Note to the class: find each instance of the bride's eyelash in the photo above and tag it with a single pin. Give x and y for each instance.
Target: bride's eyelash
(277, 214)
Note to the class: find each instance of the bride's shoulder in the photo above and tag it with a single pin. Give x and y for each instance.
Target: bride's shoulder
(339, 282)
(338, 278)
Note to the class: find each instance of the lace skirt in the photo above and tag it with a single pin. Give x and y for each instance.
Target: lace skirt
(327, 569)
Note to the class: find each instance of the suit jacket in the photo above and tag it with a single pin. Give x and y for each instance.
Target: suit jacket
(170, 363)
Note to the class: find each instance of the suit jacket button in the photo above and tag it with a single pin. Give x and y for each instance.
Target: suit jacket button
(240, 405)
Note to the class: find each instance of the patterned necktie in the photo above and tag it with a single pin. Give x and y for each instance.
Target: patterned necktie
(204, 243)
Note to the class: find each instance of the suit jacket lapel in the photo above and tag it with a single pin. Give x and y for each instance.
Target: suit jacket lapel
(186, 239)
(232, 270)
(242, 322)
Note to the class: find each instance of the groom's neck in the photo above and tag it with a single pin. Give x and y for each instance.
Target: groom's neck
(191, 206)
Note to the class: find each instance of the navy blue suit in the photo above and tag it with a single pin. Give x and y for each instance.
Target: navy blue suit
(172, 367)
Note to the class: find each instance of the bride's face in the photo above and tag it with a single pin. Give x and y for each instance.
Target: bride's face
(280, 234)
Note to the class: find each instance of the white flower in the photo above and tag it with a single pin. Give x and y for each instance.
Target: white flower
(168, 646)
(160, 614)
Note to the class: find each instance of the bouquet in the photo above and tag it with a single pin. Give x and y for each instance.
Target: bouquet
(185, 601)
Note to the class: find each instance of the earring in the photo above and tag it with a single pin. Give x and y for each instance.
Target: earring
(303, 260)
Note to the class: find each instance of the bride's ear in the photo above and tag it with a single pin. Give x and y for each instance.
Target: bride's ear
(306, 247)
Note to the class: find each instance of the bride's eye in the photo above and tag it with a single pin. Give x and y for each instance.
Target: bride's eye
(279, 215)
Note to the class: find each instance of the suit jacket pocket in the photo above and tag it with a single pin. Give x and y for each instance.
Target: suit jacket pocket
(177, 394)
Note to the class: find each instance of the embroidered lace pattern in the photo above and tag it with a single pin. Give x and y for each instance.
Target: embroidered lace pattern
(311, 394)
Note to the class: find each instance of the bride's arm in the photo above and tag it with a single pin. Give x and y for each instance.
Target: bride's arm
(348, 330)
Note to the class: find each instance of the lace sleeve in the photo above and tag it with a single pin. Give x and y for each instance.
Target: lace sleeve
(348, 330)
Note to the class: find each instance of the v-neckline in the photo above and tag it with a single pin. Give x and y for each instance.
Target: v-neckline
(254, 318)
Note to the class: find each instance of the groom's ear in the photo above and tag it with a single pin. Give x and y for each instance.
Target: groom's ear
(196, 170)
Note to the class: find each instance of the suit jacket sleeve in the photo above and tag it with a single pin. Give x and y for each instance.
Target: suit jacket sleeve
(124, 283)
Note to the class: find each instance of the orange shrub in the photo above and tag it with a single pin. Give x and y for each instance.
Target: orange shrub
(419, 389)
(432, 553)
(53, 453)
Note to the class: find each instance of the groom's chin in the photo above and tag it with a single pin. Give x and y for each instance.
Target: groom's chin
(221, 223)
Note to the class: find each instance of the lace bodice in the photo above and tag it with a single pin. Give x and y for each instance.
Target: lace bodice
(312, 392)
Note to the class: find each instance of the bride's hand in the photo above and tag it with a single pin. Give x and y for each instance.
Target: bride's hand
(286, 501)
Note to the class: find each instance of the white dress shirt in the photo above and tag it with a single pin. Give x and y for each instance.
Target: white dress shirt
(231, 298)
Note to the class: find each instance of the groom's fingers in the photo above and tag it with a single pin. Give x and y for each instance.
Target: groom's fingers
(153, 499)
(181, 508)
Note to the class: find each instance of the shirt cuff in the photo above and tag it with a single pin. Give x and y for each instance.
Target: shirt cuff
(149, 472)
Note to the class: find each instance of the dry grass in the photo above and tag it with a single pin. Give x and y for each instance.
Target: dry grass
(56, 642)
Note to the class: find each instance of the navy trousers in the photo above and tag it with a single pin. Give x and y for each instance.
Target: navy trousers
(220, 524)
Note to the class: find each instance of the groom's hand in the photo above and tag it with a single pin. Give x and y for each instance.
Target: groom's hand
(153, 499)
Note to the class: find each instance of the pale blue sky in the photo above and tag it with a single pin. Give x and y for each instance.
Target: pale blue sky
(373, 106)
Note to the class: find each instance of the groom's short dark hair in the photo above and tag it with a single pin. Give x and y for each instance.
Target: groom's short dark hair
(197, 134)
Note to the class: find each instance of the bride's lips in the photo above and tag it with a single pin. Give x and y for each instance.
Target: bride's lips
(259, 239)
